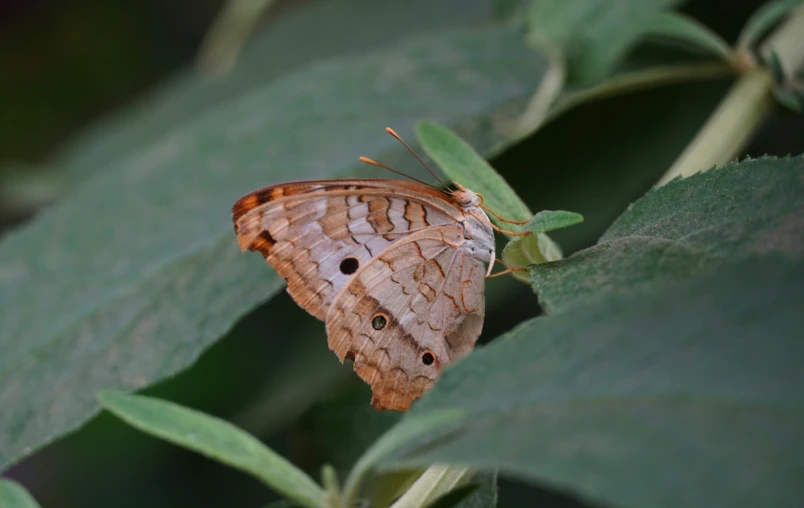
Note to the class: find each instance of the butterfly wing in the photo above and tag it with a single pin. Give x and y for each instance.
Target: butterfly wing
(318, 234)
(409, 312)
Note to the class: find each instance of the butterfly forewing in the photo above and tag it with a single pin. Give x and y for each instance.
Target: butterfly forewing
(318, 234)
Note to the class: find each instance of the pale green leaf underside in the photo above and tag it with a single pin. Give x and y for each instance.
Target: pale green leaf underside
(549, 220)
(462, 164)
(747, 208)
(13, 495)
(216, 439)
(126, 281)
(686, 395)
(521, 253)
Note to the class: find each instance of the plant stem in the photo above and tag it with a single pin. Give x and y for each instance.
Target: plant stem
(538, 109)
(389, 442)
(744, 108)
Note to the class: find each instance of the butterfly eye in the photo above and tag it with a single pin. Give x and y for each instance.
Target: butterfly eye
(428, 358)
(349, 266)
(378, 322)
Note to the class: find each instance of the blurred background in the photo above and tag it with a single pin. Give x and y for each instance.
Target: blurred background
(72, 68)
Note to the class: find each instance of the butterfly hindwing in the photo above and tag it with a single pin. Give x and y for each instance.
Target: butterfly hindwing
(413, 309)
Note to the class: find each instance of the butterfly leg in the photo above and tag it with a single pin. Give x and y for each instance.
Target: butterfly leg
(489, 275)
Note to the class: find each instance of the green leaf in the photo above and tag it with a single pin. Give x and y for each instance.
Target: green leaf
(772, 61)
(342, 27)
(481, 492)
(329, 479)
(548, 220)
(215, 438)
(791, 99)
(462, 164)
(683, 28)
(528, 250)
(524, 251)
(14, 495)
(592, 35)
(684, 395)
(762, 20)
(678, 229)
(126, 281)
(509, 10)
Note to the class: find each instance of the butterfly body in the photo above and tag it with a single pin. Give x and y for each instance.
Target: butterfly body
(395, 269)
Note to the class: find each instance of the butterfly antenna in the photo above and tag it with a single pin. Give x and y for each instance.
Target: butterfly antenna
(508, 270)
(366, 160)
(399, 138)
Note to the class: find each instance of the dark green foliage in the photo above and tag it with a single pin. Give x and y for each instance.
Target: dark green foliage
(741, 210)
(148, 272)
(684, 394)
(657, 365)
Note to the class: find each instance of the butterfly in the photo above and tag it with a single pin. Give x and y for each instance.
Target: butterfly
(396, 269)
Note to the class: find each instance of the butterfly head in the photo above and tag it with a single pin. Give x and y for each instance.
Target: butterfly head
(466, 198)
